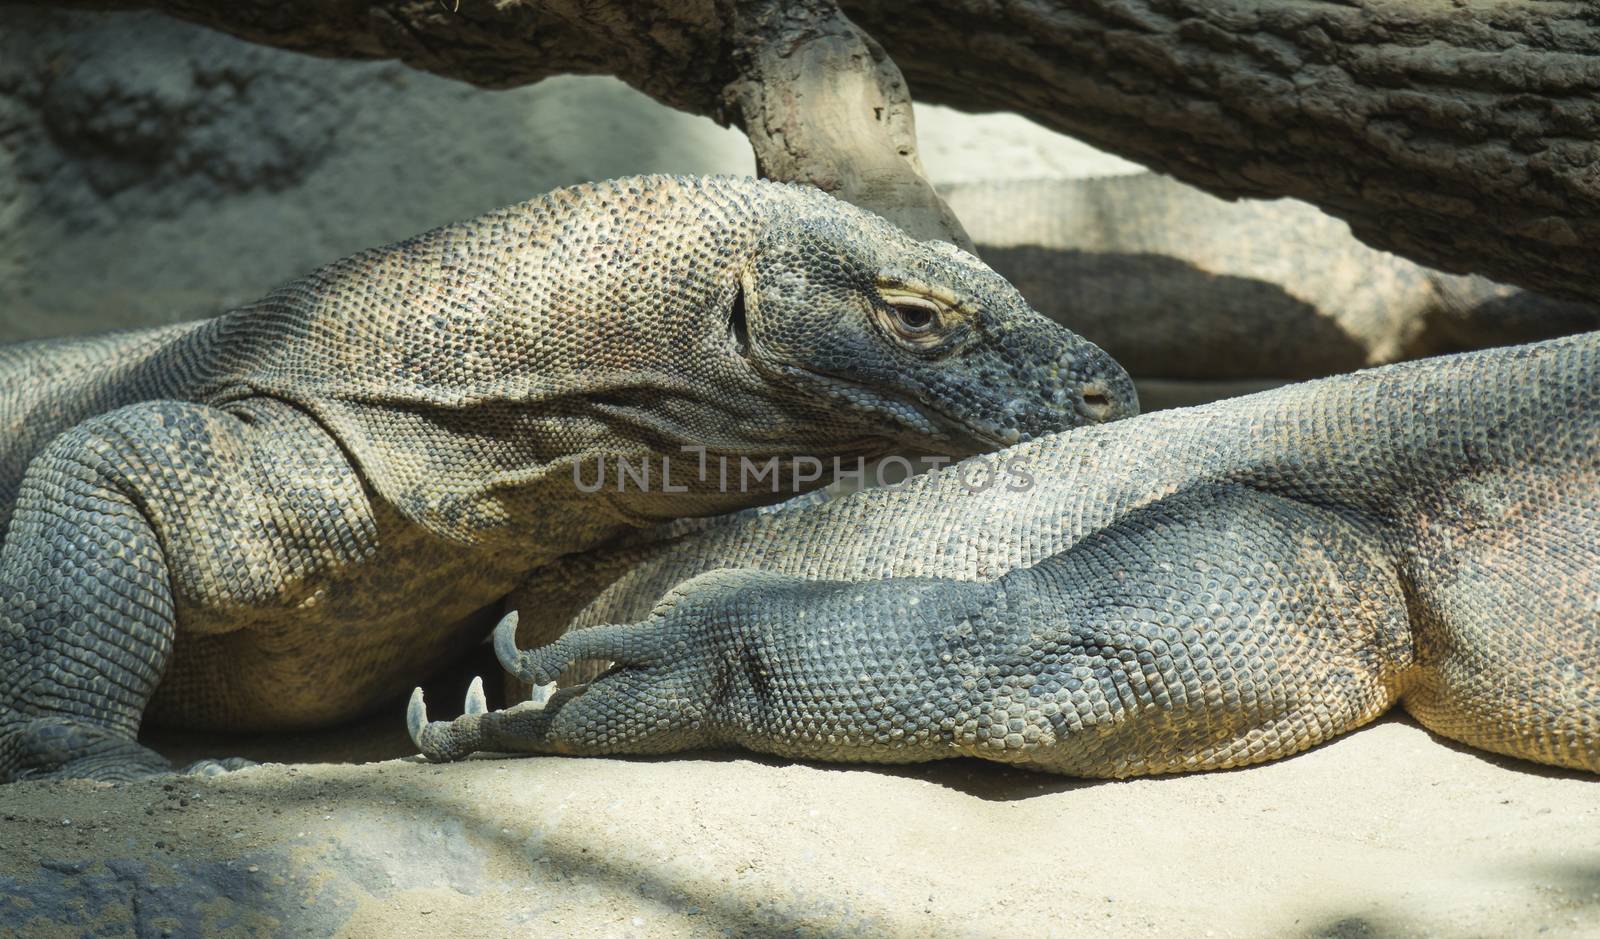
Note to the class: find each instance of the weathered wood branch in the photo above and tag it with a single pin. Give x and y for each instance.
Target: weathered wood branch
(822, 104)
(1465, 135)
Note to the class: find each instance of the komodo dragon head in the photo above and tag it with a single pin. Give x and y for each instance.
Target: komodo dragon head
(842, 311)
(757, 321)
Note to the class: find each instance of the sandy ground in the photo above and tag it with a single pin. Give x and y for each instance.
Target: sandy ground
(1386, 832)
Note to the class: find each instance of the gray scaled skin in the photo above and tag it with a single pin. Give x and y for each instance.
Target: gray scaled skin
(1188, 590)
(281, 517)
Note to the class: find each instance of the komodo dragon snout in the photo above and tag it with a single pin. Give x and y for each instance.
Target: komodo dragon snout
(857, 317)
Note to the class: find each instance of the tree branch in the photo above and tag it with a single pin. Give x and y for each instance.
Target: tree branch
(1463, 135)
(822, 104)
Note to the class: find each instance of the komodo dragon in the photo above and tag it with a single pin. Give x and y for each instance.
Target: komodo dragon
(1188, 590)
(280, 517)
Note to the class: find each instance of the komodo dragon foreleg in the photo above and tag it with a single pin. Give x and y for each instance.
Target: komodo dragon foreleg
(119, 519)
(1215, 627)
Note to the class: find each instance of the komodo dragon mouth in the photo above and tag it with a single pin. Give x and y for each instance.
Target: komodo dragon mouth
(920, 418)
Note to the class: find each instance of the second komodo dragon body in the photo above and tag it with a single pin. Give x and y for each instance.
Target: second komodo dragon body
(1188, 590)
(280, 517)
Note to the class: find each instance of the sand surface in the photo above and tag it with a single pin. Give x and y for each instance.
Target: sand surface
(1386, 832)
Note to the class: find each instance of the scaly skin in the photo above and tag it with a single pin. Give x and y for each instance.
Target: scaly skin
(1188, 590)
(280, 517)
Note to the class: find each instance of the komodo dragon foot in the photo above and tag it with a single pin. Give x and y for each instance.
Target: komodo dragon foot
(590, 719)
(57, 748)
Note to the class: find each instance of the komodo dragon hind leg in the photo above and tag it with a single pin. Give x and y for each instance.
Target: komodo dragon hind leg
(1217, 627)
(1507, 580)
(1213, 628)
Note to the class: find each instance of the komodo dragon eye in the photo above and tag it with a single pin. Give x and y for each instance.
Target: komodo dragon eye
(917, 321)
(915, 317)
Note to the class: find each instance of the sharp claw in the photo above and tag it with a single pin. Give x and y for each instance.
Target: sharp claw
(416, 717)
(476, 702)
(541, 694)
(505, 645)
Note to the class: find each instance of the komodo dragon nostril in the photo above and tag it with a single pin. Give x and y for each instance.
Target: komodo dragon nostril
(1094, 401)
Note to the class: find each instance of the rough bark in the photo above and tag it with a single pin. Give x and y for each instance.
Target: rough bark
(1463, 135)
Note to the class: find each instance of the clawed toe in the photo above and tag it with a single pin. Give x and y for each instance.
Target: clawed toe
(625, 644)
(521, 728)
(531, 666)
(417, 723)
(447, 741)
(476, 702)
(586, 719)
(426, 734)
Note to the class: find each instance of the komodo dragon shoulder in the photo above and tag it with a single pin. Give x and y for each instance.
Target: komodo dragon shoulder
(282, 516)
(1187, 590)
